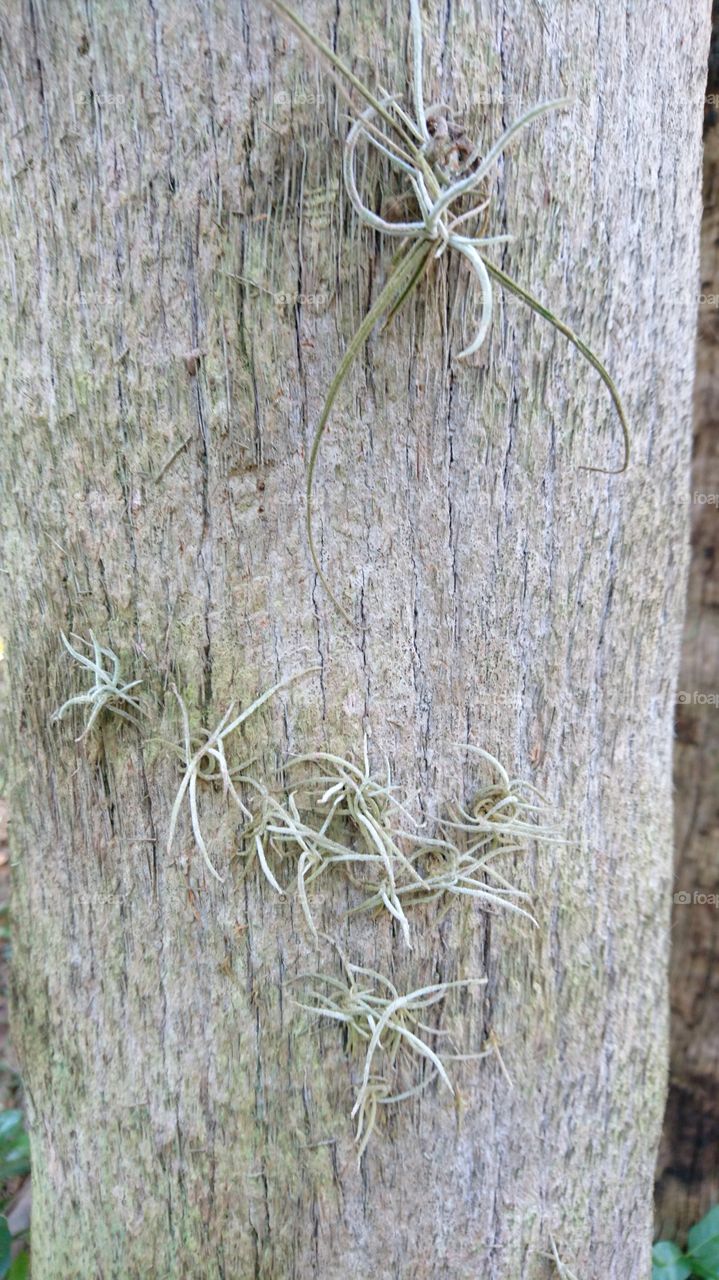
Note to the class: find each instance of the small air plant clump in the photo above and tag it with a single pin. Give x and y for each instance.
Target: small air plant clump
(365, 833)
(389, 1031)
(109, 693)
(562, 1269)
(205, 760)
(358, 833)
(446, 184)
(339, 816)
(336, 815)
(501, 821)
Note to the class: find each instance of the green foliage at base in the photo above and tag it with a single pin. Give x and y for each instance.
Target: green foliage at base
(701, 1259)
(14, 1164)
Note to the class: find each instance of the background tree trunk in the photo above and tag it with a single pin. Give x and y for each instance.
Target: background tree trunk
(180, 276)
(688, 1171)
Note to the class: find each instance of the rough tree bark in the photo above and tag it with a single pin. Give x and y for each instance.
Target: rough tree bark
(180, 274)
(688, 1170)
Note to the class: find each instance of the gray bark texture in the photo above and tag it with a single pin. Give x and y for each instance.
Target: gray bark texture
(688, 1171)
(180, 275)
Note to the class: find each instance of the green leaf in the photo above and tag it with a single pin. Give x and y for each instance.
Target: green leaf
(14, 1146)
(5, 1246)
(668, 1262)
(15, 1162)
(20, 1268)
(11, 1123)
(704, 1245)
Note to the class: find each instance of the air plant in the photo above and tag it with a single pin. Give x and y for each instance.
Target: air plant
(562, 1268)
(388, 1028)
(343, 816)
(450, 871)
(317, 851)
(460, 862)
(449, 195)
(502, 815)
(108, 693)
(275, 829)
(501, 820)
(340, 815)
(254, 836)
(205, 760)
(366, 808)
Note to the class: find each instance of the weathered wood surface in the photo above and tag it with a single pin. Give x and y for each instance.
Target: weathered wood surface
(180, 273)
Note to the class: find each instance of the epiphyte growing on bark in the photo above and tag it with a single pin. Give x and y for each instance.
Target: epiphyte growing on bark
(108, 693)
(499, 821)
(389, 1031)
(205, 760)
(338, 814)
(562, 1269)
(502, 819)
(448, 188)
(366, 810)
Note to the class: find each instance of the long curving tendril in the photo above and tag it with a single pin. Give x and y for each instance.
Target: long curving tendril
(447, 197)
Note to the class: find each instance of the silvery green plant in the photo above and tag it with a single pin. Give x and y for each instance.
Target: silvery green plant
(108, 692)
(450, 201)
(205, 760)
(389, 1030)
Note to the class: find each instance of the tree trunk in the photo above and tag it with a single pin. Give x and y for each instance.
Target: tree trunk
(688, 1171)
(181, 274)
